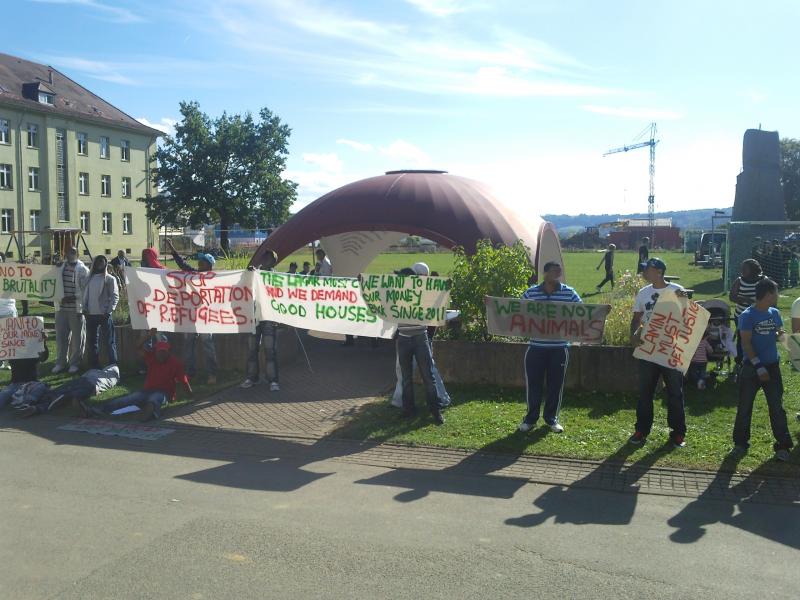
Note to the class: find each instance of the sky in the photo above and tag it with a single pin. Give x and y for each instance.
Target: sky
(525, 95)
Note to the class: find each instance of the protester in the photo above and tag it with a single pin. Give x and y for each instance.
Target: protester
(91, 383)
(100, 298)
(70, 326)
(164, 370)
(205, 262)
(150, 259)
(293, 268)
(324, 267)
(266, 336)
(412, 343)
(306, 268)
(698, 367)
(120, 260)
(8, 309)
(644, 254)
(649, 372)
(743, 294)
(760, 326)
(608, 259)
(546, 360)
(25, 386)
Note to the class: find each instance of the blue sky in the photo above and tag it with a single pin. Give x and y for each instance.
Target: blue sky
(525, 95)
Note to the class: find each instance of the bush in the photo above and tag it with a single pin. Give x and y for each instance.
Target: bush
(492, 271)
(618, 323)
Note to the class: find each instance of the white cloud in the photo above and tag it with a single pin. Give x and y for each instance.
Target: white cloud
(406, 155)
(439, 8)
(93, 68)
(330, 162)
(754, 96)
(360, 146)
(165, 125)
(108, 12)
(626, 112)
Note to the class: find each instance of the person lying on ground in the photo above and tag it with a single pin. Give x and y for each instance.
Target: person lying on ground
(91, 383)
(164, 371)
(25, 385)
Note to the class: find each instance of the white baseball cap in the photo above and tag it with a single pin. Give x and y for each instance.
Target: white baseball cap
(421, 268)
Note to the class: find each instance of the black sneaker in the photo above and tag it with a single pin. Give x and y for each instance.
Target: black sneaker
(438, 418)
(638, 438)
(25, 410)
(146, 412)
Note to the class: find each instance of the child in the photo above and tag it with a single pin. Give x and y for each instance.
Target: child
(743, 293)
(759, 326)
(698, 368)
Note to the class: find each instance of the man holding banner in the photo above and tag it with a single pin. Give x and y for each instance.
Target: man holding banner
(546, 360)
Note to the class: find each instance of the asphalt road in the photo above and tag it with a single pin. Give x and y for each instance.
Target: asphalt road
(84, 522)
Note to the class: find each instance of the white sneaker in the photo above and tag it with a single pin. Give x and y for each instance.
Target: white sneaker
(247, 384)
(525, 427)
(274, 387)
(556, 428)
(73, 369)
(57, 369)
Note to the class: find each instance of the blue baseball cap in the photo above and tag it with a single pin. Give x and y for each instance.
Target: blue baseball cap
(656, 263)
(206, 257)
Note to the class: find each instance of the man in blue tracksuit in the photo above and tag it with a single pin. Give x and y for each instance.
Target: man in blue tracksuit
(546, 360)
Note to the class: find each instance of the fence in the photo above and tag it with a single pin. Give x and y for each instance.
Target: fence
(774, 244)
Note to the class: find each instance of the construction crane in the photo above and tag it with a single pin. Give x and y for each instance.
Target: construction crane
(651, 199)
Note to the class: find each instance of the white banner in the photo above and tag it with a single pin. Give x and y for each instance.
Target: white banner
(407, 299)
(327, 304)
(28, 282)
(205, 302)
(671, 335)
(21, 337)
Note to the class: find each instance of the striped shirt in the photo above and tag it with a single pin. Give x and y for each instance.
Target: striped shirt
(563, 294)
(68, 279)
(748, 290)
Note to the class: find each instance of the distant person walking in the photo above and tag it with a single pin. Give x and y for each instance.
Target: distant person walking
(644, 254)
(70, 325)
(608, 260)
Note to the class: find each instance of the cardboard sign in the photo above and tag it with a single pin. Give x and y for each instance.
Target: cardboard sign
(793, 345)
(205, 302)
(407, 299)
(565, 321)
(332, 305)
(21, 337)
(27, 282)
(671, 335)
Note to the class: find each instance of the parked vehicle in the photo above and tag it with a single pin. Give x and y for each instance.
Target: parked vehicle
(710, 247)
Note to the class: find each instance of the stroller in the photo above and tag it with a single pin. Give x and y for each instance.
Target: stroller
(720, 336)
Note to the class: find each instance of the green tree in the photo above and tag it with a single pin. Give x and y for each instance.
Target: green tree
(226, 170)
(790, 177)
(492, 271)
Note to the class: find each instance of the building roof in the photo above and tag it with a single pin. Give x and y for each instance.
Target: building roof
(22, 80)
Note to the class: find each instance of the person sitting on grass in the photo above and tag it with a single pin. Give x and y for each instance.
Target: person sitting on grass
(25, 386)
(164, 370)
(91, 383)
(760, 326)
(698, 367)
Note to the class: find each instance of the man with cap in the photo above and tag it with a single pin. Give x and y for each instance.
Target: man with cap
(546, 360)
(164, 370)
(653, 272)
(205, 262)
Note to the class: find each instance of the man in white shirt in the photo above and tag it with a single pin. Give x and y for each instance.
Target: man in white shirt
(324, 266)
(649, 372)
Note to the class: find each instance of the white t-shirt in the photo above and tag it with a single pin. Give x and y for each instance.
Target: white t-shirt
(796, 309)
(325, 267)
(648, 296)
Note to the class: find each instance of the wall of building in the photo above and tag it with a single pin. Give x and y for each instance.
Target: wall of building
(22, 200)
(661, 237)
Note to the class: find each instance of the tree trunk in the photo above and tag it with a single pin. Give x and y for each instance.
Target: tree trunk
(224, 226)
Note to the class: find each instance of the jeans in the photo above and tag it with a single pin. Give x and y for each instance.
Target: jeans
(749, 384)
(33, 393)
(408, 349)
(550, 365)
(95, 326)
(649, 373)
(189, 354)
(397, 397)
(266, 335)
(70, 338)
(7, 393)
(156, 398)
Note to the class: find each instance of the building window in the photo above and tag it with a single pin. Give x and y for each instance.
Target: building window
(33, 135)
(4, 139)
(6, 220)
(105, 185)
(106, 222)
(83, 144)
(103, 146)
(46, 98)
(86, 222)
(35, 214)
(83, 184)
(125, 149)
(127, 223)
(5, 177)
(126, 187)
(33, 179)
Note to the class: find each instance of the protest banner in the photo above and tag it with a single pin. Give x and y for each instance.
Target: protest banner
(671, 335)
(407, 299)
(565, 321)
(203, 302)
(324, 304)
(28, 282)
(21, 337)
